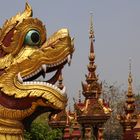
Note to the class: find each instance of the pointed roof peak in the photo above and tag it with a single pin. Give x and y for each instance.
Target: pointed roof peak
(91, 32)
(130, 75)
(91, 35)
(130, 61)
(129, 106)
(92, 87)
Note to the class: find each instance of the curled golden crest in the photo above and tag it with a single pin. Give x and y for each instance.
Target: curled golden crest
(17, 18)
(13, 22)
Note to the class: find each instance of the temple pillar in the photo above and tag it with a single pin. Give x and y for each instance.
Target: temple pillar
(67, 134)
(88, 133)
(100, 133)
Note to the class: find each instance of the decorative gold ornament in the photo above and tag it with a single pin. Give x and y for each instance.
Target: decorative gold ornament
(26, 54)
(129, 119)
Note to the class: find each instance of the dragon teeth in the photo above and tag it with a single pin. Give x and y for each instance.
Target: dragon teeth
(20, 78)
(63, 91)
(32, 74)
(44, 67)
(69, 60)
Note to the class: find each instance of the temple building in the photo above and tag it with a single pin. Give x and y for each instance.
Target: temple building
(128, 120)
(87, 120)
(93, 112)
(59, 120)
(66, 120)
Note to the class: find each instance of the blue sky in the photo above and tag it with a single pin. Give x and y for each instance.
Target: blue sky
(117, 35)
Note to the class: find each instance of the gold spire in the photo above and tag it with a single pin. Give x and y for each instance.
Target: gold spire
(79, 96)
(130, 65)
(130, 107)
(92, 86)
(128, 120)
(130, 80)
(91, 32)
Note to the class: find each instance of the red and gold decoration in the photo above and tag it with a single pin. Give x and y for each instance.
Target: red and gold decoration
(66, 120)
(59, 120)
(128, 120)
(92, 113)
(25, 55)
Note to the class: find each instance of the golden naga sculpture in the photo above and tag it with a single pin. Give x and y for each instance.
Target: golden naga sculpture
(25, 55)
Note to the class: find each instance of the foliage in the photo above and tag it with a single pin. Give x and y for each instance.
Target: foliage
(115, 96)
(55, 134)
(43, 118)
(27, 135)
(41, 131)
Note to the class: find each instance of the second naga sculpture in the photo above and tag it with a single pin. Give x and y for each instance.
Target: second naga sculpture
(25, 55)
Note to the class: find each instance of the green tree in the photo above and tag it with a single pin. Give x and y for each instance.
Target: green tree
(115, 96)
(40, 130)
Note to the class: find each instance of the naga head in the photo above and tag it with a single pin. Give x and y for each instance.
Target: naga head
(25, 55)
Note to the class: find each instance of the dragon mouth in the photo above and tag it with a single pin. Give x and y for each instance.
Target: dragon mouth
(34, 79)
(46, 75)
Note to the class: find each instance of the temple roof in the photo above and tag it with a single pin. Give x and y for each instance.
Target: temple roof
(129, 119)
(92, 87)
(138, 123)
(59, 120)
(93, 108)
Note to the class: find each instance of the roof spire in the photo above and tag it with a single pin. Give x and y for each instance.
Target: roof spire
(92, 87)
(129, 107)
(130, 65)
(91, 32)
(130, 79)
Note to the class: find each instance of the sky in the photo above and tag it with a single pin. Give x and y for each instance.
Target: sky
(117, 36)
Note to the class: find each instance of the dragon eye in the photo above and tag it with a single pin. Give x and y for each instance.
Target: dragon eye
(32, 38)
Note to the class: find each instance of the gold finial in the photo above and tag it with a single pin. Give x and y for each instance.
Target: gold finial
(130, 106)
(91, 36)
(92, 86)
(130, 60)
(91, 33)
(130, 75)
